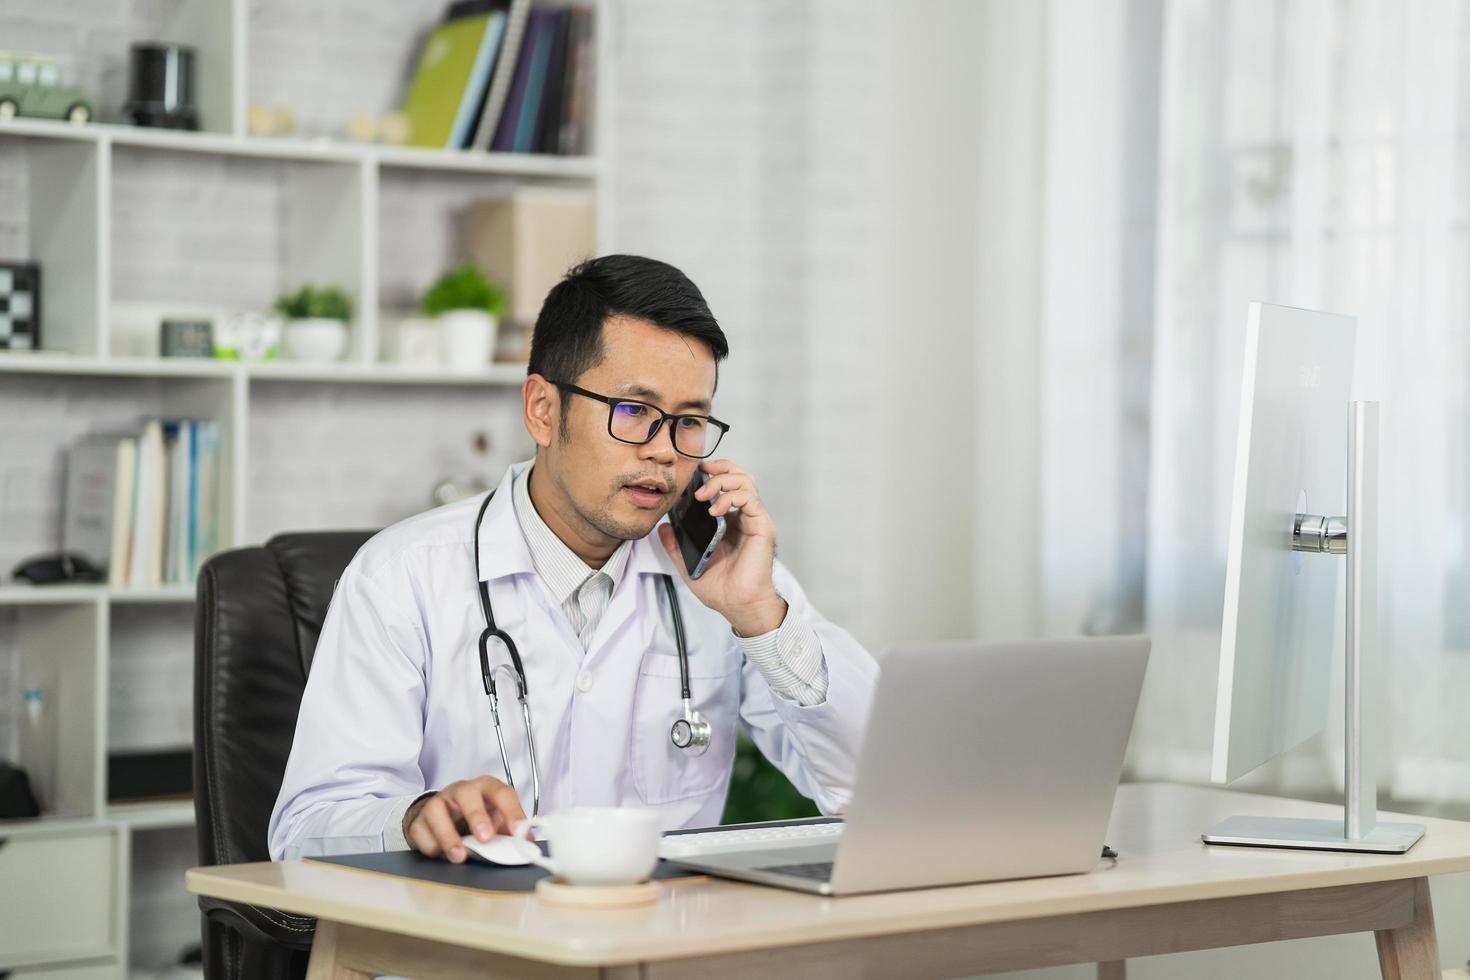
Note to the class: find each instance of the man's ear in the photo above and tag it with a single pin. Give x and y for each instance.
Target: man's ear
(541, 403)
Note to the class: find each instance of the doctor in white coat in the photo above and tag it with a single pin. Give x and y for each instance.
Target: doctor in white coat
(395, 745)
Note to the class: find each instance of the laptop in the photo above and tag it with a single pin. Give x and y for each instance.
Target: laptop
(980, 762)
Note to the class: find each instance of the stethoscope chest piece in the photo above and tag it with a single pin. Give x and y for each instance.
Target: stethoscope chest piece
(691, 733)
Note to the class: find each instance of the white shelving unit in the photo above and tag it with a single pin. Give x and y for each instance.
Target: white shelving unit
(81, 859)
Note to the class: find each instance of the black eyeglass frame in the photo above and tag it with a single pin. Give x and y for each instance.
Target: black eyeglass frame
(653, 430)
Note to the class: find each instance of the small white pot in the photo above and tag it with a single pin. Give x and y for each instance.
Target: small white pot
(314, 339)
(415, 344)
(466, 338)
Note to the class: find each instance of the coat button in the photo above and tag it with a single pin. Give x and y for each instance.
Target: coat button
(584, 682)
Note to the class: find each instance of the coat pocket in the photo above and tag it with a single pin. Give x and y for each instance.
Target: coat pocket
(663, 773)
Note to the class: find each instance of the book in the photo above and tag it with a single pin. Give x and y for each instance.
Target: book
(171, 495)
(573, 135)
(87, 508)
(478, 85)
(191, 548)
(120, 554)
(179, 445)
(530, 111)
(505, 66)
(505, 129)
(548, 122)
(145, 566)
(164, 502)
(450, 57)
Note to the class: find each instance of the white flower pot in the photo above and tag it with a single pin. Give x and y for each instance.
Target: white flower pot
(314, 339)
(416, 344)
(466, 338)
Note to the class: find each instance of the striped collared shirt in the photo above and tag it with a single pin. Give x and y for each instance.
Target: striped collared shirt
(789, 657)
(582, 592)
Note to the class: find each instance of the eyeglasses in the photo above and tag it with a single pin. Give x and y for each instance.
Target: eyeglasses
(638, 422)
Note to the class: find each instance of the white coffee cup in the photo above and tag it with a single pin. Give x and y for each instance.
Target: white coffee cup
(599, 845)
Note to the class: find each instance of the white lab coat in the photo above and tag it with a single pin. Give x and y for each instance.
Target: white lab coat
(394, 704)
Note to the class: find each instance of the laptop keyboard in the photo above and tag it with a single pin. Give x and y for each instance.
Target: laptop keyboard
(816, 871)
(711, 842)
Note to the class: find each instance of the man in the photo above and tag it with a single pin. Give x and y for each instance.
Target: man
(395, 745)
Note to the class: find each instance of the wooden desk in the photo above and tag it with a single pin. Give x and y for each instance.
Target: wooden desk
(1167, 893)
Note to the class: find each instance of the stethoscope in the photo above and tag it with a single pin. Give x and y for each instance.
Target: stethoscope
(690, 733)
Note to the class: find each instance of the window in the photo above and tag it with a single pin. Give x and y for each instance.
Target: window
(49, 75)
(25, 73)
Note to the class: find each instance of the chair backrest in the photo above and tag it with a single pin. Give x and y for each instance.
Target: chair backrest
(258, 616)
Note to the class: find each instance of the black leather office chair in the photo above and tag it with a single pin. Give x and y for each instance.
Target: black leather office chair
(258, 616)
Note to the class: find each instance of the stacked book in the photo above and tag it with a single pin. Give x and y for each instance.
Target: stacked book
(146, 506)
(503, 75)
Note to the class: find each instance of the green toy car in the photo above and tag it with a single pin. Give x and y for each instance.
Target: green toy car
(30, 85)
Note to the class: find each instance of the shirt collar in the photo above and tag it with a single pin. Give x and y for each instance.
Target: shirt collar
(561, 568)
(504, 550)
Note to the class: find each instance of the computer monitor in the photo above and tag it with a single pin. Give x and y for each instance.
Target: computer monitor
(1304, 455)
(1276, 635)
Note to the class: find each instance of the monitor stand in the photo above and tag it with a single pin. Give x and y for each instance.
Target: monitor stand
(1357, 537)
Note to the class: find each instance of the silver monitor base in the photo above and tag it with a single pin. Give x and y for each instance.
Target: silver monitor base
(1316, 835)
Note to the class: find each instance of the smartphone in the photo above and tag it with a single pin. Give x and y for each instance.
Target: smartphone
(695, 529)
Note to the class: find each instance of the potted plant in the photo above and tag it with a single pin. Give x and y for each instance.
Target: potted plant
(468, 306)
(315, 327)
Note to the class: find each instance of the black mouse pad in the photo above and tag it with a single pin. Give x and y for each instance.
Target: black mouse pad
(470, 874)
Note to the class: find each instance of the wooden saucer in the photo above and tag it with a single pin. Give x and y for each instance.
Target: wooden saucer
(554, 891)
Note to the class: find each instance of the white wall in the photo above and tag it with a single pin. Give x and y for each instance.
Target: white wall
(745, 136)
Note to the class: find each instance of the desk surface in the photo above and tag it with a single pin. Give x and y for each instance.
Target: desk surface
(1155, 828)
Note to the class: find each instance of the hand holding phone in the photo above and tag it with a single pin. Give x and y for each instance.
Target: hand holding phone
(696, 531)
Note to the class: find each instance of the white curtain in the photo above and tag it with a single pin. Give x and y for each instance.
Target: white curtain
(1193, 156)
(1314, 153)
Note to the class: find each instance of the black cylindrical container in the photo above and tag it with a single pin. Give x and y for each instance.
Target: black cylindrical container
(161, 87)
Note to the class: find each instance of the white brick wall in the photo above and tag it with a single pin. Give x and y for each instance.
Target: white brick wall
(14, 188)
(150, 671)
(746, 157)
(318, 457)
(197, 228)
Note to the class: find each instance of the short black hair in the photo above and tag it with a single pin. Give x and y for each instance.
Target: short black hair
(567, 339)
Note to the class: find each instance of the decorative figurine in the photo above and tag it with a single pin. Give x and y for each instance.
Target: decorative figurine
(20, 305)
(186, 337)
(390, 128)
(264, 121)
(30, 85)
(247, 336)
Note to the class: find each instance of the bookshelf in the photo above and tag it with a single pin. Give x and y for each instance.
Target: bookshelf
(87, 197)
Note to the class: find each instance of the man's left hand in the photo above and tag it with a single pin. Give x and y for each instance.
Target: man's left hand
(737, 579)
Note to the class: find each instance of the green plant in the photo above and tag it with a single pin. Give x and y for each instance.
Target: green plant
(328, 303)
(465, 288)
(758, 790)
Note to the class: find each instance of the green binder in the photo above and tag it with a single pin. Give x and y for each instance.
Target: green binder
(446, 66)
